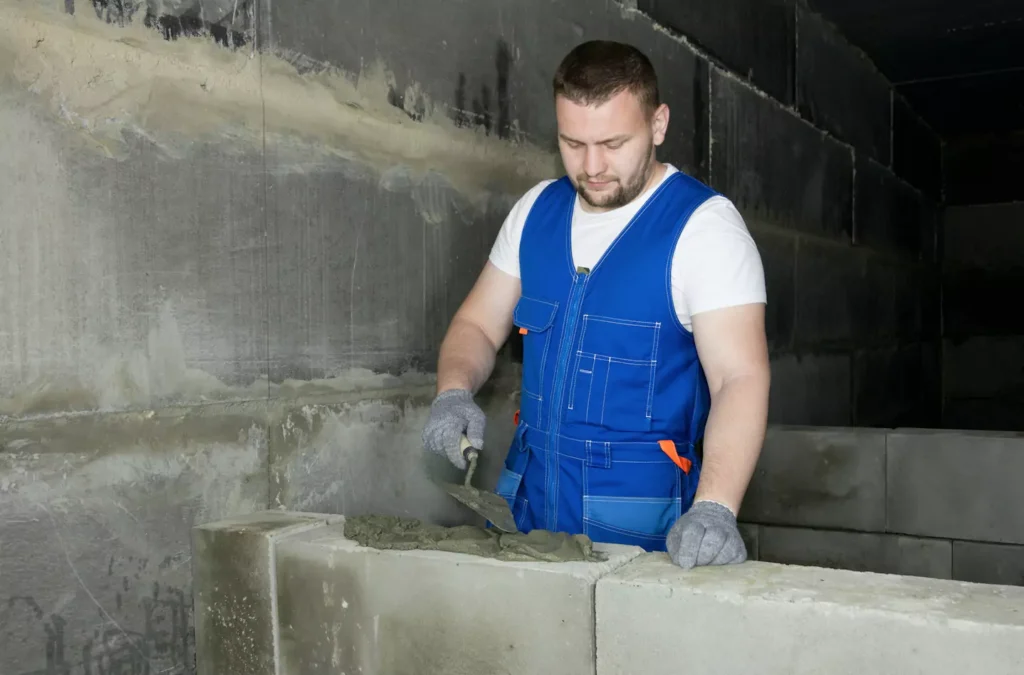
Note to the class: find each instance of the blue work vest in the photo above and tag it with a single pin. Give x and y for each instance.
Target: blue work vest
(613, 396)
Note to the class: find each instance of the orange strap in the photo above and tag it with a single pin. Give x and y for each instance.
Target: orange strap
(515, 418)
(523, 331)
(669, 448)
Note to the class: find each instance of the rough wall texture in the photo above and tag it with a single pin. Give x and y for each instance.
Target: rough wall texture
(278, 192)
(96, 509)
(94, 533)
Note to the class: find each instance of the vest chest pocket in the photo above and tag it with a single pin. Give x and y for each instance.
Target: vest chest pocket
(612, 376)
(534, 319)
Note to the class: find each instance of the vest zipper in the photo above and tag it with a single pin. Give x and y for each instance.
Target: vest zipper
(558, 391)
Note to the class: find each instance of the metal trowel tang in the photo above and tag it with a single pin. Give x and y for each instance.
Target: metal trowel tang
(488, 504)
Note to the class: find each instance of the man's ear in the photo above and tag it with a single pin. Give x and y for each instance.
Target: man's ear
(659, 123)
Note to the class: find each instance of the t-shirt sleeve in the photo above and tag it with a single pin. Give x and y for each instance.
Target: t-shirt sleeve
(717, 263)
(505, 250)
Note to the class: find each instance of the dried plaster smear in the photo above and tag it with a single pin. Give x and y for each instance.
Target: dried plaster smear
(104, 78)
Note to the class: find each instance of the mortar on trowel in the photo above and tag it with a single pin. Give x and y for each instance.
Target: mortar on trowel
(488, 504)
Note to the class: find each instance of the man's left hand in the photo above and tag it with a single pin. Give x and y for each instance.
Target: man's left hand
(706, 535)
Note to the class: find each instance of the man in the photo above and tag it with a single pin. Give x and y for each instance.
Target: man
(640, 297)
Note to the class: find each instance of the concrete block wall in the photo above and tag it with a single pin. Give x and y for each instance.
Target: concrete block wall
(918, 502)
(840, 182)
(288, 594)
(983, 334)
(308, 190)
(96, 510)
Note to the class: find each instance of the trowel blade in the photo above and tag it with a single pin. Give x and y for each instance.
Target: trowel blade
(489, 505)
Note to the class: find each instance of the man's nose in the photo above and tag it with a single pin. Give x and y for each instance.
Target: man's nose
(593, 162)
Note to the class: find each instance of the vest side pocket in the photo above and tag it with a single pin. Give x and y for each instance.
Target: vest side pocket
(612, 376)
(632, 503)
(534, 318)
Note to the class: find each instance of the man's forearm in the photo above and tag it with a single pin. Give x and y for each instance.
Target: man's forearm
(733, 438)
(466, 358)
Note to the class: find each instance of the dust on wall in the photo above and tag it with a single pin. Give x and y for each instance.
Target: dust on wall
(86, 328)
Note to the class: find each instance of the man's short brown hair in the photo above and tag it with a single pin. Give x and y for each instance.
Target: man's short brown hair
(595, 71)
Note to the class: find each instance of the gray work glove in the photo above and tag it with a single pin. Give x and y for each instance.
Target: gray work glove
(706, 535)
(452, 414)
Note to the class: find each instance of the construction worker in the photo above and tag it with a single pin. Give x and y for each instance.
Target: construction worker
(640, 297)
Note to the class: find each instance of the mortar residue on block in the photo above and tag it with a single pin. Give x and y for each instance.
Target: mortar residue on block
(771, 619)
(104, 78)
(406, 534)
(346, 608)
(233, 590)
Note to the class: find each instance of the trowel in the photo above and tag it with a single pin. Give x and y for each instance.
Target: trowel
(491, 506)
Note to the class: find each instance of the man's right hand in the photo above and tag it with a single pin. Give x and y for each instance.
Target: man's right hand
(452, 414)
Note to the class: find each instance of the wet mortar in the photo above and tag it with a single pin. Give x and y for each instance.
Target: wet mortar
(407, 534)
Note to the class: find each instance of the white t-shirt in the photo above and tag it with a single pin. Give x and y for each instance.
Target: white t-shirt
(716, 263)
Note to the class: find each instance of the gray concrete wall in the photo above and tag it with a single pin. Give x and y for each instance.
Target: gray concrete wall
(232, 235)
(96, 510)
(917, 502)
(184, 221)
(983, 333)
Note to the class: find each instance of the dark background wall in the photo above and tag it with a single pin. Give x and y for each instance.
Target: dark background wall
(840, 182)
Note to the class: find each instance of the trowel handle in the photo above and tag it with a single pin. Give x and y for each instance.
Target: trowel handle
(467, 449)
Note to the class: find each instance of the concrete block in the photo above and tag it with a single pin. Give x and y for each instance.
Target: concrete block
(233, 590)
(819, 477)
(983, 382)
(984, 367)
(889, 386)
(499, 82)
(889, 215)
(750, 533)
(355, 609)
(775, 166)
(931, 303)
(95, 545)
(810, 389)
(789, 620)
(873, 302)
(830, 287)
(370, 317)
(974, 302)
(748, 36)
(911, 288)
(983, 414)
(363, 453)
(989, 236)
(103, 312)
(984, 170)
(988, 563)
(857, 551)
(996, 97)
(778, 256)
(930, 414)
(840, 90)
(916, 149)
(956, 485)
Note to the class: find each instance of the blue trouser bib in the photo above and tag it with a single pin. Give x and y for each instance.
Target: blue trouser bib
(624, 493)
(613, 396)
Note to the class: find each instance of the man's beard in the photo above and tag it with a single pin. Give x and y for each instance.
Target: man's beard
(623, 194)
